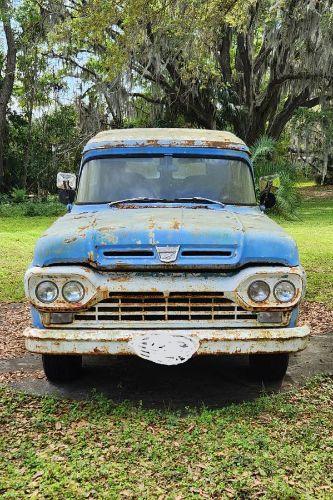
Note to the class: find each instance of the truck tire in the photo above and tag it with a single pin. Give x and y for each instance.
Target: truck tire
(270, 367)
(62, 367)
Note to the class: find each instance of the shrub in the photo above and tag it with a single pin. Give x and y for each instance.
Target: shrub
(4, 198)
(32, 209)
(267, 161)
(18, 195)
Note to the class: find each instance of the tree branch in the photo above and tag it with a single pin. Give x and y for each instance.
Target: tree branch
(302, 100)
(299, 76)
(152, 100)
(223, 54)
(72, 61)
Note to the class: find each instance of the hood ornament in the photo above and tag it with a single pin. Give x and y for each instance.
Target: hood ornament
(167, 254)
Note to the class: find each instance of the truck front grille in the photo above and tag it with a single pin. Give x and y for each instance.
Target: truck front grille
(154, 306)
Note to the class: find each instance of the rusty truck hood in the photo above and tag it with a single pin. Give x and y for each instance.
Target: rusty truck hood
(202, 237)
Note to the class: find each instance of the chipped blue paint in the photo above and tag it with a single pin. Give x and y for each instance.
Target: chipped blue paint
(184, 151)
(244, 234)
(294, 317)
(35, 317)
(83, 236)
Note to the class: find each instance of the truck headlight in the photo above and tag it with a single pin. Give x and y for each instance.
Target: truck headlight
(259, 291)
(73, 291)
(284, 291)
(47, 292)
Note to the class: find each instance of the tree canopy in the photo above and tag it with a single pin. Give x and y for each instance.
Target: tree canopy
(250, 66)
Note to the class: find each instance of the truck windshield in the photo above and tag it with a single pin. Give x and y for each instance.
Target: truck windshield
(226, 180)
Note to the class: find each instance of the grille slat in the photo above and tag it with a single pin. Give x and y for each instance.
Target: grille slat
(154, 306)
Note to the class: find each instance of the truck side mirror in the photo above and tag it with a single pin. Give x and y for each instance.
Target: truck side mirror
(268, 186)
(66, 183)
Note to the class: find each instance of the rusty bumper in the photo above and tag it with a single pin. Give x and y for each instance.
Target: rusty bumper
(211, 341)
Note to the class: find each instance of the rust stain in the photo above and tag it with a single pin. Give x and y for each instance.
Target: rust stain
(226, 144)
(151, 223)
(99, 350)
(70, 240)
(119, 278)
(84, 228)
(82, 215)
(175, 224)
(188, 143)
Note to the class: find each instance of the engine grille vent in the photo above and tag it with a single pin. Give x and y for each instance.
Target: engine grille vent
(128, 253)
(206, 253)
(156, 307)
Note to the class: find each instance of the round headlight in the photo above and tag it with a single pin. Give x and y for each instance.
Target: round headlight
(259, 291)
(284, 291)
(73, 291)
(47, 291)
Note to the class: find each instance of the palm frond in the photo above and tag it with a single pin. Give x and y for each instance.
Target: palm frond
(267, 162)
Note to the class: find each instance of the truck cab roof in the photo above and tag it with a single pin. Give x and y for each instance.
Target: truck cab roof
(165, 137)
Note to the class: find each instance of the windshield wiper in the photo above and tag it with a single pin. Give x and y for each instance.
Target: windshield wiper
(192, 199)
(137, 200)
(199, 199)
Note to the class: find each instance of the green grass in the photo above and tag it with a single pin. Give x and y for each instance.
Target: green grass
(17, 236)
(275, 447)
(313, 233)
(306, 183)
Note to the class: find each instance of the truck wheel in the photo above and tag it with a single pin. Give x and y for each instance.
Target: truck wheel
(62, 367)
(270, 367)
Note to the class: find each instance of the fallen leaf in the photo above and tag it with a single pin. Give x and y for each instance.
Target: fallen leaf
(38, 474)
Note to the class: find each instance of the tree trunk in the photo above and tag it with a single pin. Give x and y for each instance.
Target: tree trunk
(7, 83)
(27, 148)
(256, 127)
(31, 95)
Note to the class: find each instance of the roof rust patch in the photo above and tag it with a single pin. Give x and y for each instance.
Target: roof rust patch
(165, 137)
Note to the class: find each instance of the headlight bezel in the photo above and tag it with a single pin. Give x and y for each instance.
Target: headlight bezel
(272, 279)
(91, 295)
(43, 282)
(68, 283)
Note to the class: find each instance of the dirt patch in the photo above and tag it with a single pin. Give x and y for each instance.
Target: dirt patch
(315, 192)
(318, 316)
(14, 318)
(7, 377)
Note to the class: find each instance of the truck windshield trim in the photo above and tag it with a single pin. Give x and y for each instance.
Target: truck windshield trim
(108, 178)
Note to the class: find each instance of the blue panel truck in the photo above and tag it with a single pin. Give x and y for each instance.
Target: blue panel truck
(166, 254)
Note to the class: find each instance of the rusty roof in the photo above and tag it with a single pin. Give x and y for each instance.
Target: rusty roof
(165, 137)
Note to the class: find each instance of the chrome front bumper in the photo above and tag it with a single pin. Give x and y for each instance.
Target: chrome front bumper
(211, 341)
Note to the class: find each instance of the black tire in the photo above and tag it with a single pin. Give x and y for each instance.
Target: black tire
(269, 367)
(61, 367)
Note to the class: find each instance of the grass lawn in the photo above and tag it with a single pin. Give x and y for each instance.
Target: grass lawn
(17, 237)
(275, 447)
(313, 233)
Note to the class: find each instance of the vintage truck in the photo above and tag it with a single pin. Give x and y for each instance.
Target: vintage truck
(164, 254)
